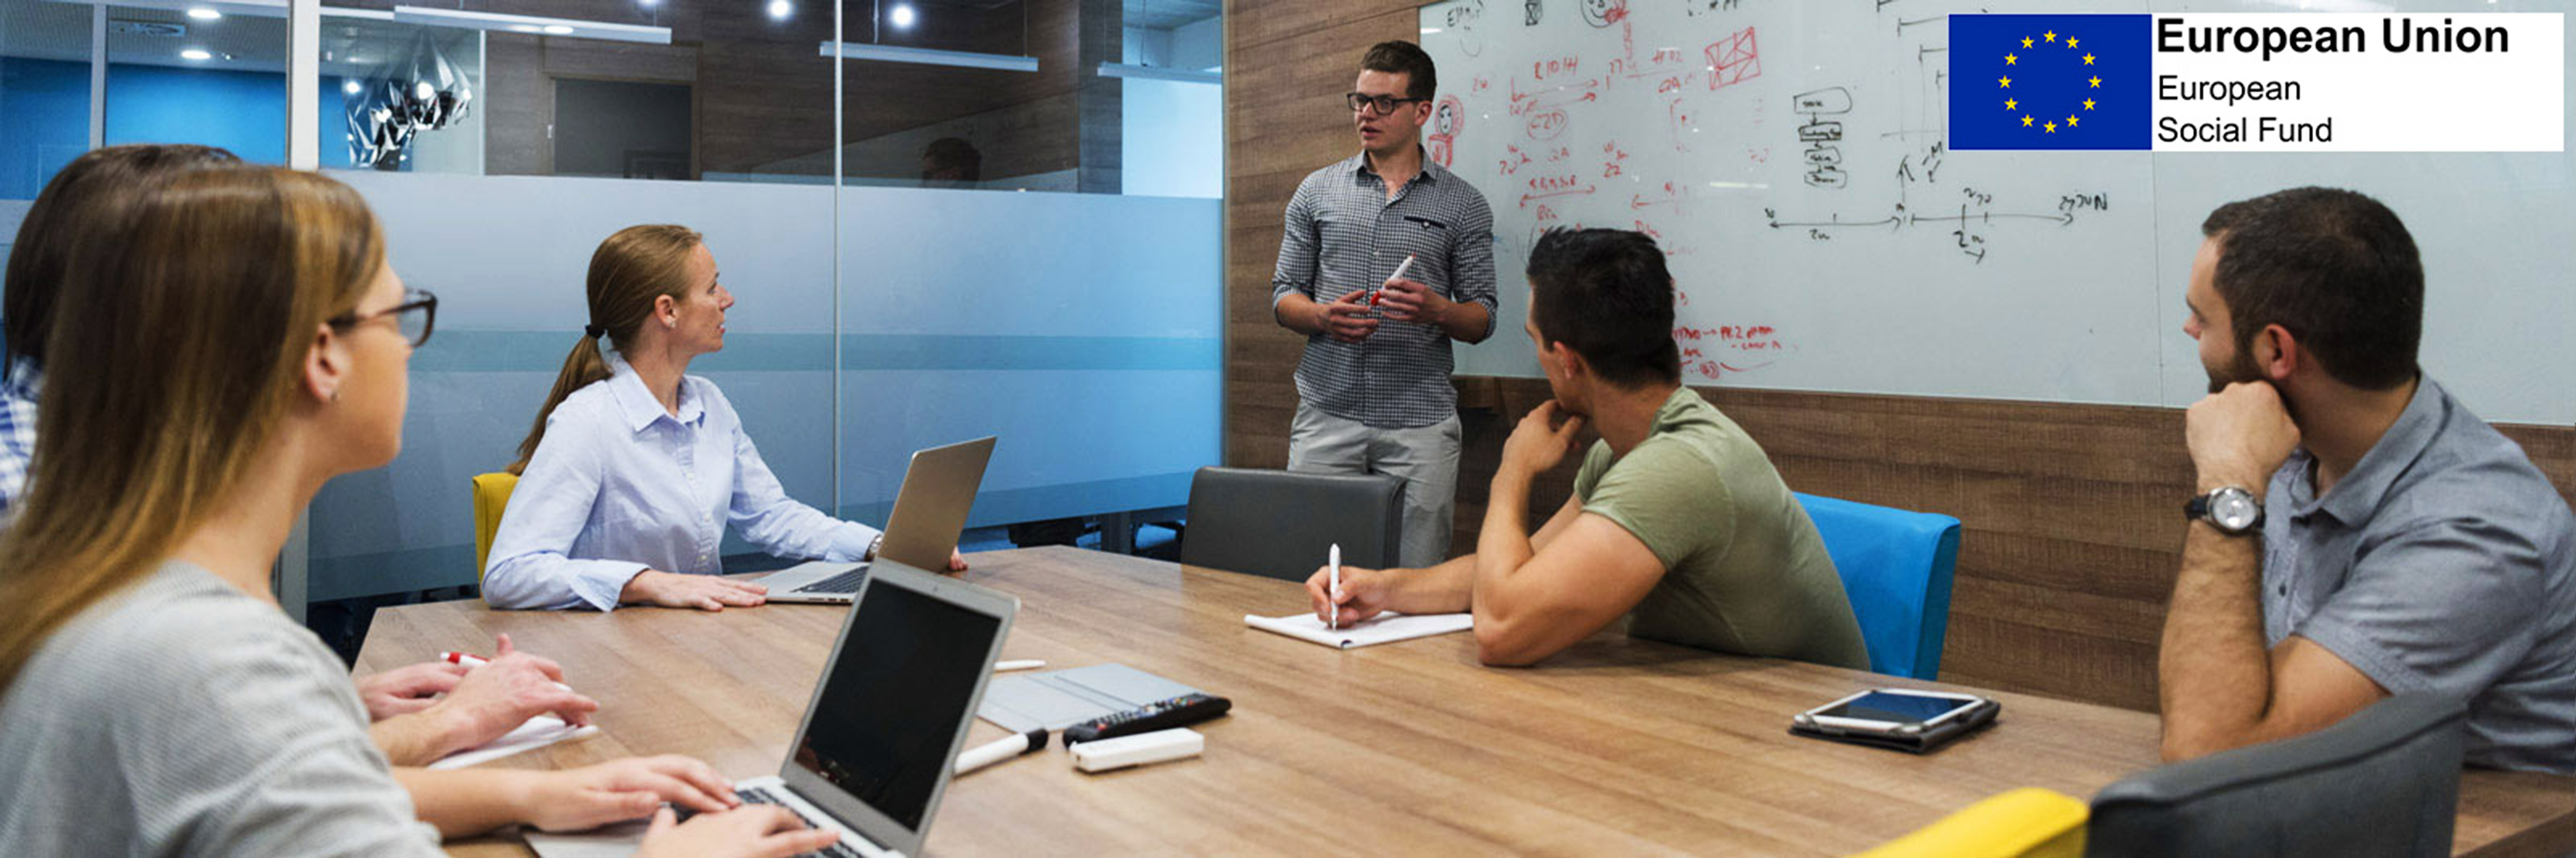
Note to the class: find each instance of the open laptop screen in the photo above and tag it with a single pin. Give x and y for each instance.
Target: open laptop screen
(883, 725)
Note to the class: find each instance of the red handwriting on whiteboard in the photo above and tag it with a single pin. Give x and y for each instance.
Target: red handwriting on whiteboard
(1549, 124)
(1614, 160)
(1554, 96)
(1543, 187)
(1683, 119)
(1680, 298)
(1734, 59)
(1554, 67)
(1669, 195)
(1755, 339)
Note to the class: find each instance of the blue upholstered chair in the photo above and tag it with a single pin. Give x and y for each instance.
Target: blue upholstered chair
(1896, 569)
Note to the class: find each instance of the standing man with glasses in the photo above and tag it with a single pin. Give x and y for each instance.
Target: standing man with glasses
(1373, 388)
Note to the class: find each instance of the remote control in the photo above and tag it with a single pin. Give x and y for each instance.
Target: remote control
(1179, 711)
(1155, 747)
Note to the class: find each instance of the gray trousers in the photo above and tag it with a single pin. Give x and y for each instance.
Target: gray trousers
(1425, 456)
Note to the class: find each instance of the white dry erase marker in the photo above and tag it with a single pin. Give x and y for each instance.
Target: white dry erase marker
(1018, 664)
(1400, 268)
(1333, 560)
(1001, 749)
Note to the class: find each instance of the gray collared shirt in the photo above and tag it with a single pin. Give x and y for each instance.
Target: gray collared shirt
(2444, 562)
(1343, 235)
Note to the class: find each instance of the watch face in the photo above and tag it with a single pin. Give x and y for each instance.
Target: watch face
(2234, 510)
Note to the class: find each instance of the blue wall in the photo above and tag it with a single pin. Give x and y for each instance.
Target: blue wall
(44, 122)
(44, 115)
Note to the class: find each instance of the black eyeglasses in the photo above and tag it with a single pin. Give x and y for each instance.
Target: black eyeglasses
(414, 317)
(1385, 104)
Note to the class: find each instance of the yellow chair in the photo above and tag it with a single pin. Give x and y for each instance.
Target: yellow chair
(2025, 823)
(491, 495)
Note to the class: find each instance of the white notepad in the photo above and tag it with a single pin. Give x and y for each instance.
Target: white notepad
(535, 733)
(1383, 628)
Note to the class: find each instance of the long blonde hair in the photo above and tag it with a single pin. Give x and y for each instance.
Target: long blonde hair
(628, 271)
(179, 341)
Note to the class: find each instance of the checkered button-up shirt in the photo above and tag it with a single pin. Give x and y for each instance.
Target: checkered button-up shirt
(17, 429)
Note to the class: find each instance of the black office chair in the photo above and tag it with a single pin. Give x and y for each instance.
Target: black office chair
(2385, 781)
(1278, 524)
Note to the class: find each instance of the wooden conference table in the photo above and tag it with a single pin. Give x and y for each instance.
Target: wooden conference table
(1614, 747)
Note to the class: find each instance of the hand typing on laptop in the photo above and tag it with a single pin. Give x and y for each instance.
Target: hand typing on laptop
(703, 592)
(631, 788)
(748, 832)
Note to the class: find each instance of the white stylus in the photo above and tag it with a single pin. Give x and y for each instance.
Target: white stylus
(1333, 560)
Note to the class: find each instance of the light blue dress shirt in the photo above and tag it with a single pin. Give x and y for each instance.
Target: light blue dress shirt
(619, 486)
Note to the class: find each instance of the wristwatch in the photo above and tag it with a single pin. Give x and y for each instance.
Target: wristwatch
(873, 545)
(2232, 510)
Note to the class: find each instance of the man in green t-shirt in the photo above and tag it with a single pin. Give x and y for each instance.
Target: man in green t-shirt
(1677, 517)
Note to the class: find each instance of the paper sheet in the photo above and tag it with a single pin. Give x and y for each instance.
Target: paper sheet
(537, 732)
(1383, 628)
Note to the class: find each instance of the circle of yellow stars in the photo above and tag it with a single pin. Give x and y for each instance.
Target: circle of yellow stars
(2027, 43)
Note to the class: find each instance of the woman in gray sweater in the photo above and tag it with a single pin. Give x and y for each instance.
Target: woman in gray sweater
(222, 348)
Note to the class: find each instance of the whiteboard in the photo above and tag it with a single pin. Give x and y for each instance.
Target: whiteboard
(1790, 157)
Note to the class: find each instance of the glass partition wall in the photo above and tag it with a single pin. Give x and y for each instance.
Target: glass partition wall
(922, 209)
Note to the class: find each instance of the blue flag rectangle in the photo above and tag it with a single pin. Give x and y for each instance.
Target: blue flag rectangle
(2075, 82)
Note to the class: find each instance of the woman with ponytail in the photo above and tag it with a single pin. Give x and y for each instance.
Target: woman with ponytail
(634, 467)
(217, 355)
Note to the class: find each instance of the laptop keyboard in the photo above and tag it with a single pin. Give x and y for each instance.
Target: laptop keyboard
(758, 795)
(846, 582)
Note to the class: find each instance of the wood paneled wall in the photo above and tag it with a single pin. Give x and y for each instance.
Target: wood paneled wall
(2070, 514)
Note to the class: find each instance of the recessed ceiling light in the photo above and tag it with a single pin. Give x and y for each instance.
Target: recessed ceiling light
(780, 9)
(351, 87)
(204, 14)
(558, 30)
(198, 54)
(902, 16)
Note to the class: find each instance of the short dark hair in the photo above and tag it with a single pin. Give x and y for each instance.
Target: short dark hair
(953, 159)
(2334, 267)
(1606, 293)
(86, 198)
(1404, 58)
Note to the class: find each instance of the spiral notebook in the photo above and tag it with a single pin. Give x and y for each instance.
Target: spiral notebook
(1388, 627)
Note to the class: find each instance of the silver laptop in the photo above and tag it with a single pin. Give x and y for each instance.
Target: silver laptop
(880, 738)
(929, 514)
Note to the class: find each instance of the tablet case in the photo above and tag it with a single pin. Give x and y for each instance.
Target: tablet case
(1918, 743)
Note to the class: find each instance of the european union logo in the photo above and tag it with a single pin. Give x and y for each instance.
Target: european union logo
(2051, 82)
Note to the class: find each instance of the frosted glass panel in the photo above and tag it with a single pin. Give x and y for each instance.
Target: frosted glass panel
(1080, 329)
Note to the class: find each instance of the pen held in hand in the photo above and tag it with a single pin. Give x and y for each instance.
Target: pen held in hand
(1333, 561)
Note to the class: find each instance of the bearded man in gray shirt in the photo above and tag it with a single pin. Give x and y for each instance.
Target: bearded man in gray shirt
(2359, 533)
